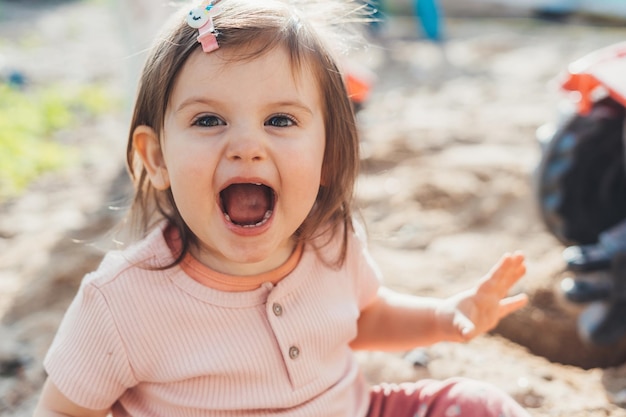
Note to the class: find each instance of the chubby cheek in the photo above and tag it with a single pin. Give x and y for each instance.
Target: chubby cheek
(187, 160)
(191, 177)
(305, 178)
(191, 181)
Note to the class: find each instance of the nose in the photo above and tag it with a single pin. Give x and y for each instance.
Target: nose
(246, 145)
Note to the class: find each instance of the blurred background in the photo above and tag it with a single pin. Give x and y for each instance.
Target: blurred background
(455, 100)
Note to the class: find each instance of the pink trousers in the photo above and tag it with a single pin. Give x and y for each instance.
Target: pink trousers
(449, 398)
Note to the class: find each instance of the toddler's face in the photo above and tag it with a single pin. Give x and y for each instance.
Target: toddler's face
(243, 145)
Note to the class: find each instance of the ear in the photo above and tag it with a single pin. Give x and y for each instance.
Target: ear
(148, 147)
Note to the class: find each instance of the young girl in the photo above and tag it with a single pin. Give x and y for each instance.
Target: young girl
(252, 284)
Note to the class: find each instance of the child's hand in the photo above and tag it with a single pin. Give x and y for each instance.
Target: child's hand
(479, 309)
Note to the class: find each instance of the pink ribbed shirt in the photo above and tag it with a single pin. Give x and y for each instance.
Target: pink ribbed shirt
(161, 343)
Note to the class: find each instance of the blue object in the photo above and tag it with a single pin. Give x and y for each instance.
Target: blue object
(430, 17)
(559, 7)
(375, 11)
(16, 79)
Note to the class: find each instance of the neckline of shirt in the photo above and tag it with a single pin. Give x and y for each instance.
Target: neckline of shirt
(225, 282)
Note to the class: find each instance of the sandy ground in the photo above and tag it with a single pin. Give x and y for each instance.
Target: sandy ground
(448, 156)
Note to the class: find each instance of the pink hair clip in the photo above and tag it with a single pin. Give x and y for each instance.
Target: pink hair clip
(201, 18)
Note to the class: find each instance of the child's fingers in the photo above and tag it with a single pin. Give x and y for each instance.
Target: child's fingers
(511, 304)
(509, 269)
(464, 326)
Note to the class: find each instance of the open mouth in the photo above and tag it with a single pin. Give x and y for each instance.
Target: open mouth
(247, 204)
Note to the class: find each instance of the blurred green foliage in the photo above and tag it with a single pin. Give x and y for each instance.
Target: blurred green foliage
(28, 123)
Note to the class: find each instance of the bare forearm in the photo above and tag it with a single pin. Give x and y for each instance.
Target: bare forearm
(398, 321)
(395, 321)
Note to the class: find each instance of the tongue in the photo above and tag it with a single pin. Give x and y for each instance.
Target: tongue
(246, 204)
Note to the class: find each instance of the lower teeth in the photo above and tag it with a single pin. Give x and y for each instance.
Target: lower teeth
(267, 215)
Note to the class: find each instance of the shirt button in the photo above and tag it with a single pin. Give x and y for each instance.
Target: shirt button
(294, 352)
(277, 309)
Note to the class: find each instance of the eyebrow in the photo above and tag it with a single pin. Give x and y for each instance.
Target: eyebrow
(201, 100)
(194, 100)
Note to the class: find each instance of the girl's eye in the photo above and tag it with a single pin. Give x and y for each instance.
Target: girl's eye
(280, 121)
(208, 121)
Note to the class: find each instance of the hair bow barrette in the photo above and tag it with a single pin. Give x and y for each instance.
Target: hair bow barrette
(201, 18)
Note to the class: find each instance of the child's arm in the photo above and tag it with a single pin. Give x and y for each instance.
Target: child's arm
(52, 403)
(397, 321)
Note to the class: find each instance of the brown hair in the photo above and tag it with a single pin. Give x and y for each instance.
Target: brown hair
(254, 27)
